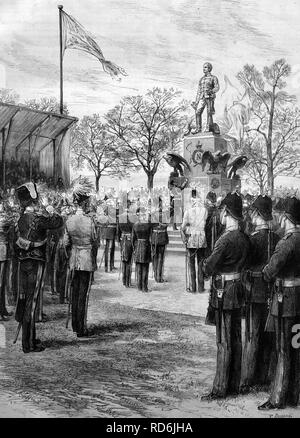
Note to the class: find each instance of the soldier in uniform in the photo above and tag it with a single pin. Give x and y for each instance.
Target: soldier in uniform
(124, 237)
(160, 240)
(225, 264)
(141, 241)
(5, 225)
(81, 238)
(193, 234)
(284, 269)
(30, 249)
(258, 348)
(109, 233)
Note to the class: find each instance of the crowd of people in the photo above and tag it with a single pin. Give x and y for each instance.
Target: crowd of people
(247, 245)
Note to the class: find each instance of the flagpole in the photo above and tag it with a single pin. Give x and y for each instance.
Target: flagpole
(61, 104)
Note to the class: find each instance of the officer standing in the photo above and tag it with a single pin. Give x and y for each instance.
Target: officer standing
(193, 234)
(30, 249)
(141, 241)
(258, 348)
(124, 237)
(81, 238)
(108, 233)
(284, 269)
(160, 240)
(225, 264)
(5, 225)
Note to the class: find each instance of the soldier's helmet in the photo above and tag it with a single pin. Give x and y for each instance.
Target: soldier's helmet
(81, 191)
(27, 194)
(292, 209)
(234, 205)
(263, 206)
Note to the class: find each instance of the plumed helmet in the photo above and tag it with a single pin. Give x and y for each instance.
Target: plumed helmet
(27, 194)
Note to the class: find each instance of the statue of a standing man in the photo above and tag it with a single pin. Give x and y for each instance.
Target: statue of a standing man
(206, 94)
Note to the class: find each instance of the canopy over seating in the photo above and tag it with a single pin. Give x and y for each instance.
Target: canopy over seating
(34, 134)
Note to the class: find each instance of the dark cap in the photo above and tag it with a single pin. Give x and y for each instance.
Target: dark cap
(292, 209)
(263, 205)
(234, 205)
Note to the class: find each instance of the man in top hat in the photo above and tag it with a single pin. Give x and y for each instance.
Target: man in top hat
(258, 352)
(81, 238)
(124, 237)
(141, 241)
(160, 240)
(284, 269)
(193, 235)
(30, 250)
(225, 265)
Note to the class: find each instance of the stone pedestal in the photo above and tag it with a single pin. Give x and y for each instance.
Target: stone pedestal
(202, 180)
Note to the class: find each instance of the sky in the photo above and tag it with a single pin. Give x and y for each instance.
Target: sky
(158, 42)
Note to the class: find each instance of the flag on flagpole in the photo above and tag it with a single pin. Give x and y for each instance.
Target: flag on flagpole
(74, 36)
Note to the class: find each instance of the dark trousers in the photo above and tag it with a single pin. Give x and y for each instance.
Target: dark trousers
(30, 279)
(229, 352)
(142, 273)
(259, 348)
(109, 254)
(126, 273)
(158, 262)
(285, 387)
(3, 268)
(80, 287)
(193, 254)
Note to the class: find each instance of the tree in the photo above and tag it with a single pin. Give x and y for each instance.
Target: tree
(49, 104)
(92, 145)
(8, 96)
(285, 149)
(147, 126)
(274, 125)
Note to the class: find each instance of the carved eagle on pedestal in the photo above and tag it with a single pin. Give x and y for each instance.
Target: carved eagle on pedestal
(217, 161)
(178, 163)
(238, 163)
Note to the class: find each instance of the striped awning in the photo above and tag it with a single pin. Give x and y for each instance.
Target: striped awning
(22, 123)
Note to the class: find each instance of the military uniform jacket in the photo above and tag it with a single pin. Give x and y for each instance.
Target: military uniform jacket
(141, 235)
(5, 225)
(257, 290)
(229, 256)
(285, 264)
(125, 237)
(193, 225)
(109, 229)
(81, 235)
(160, 235)
(31, 234)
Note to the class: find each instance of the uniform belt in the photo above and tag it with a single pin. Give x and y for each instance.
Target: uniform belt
(256, 274)
(111, 226)
(288, 282)
(231, 276)
(126, 235)
(159, 231)
(145, 240)
(82, 246)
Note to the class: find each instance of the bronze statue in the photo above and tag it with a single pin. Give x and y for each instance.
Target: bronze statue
(206, 94)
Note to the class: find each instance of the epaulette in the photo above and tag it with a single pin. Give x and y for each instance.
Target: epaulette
(254, 232)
